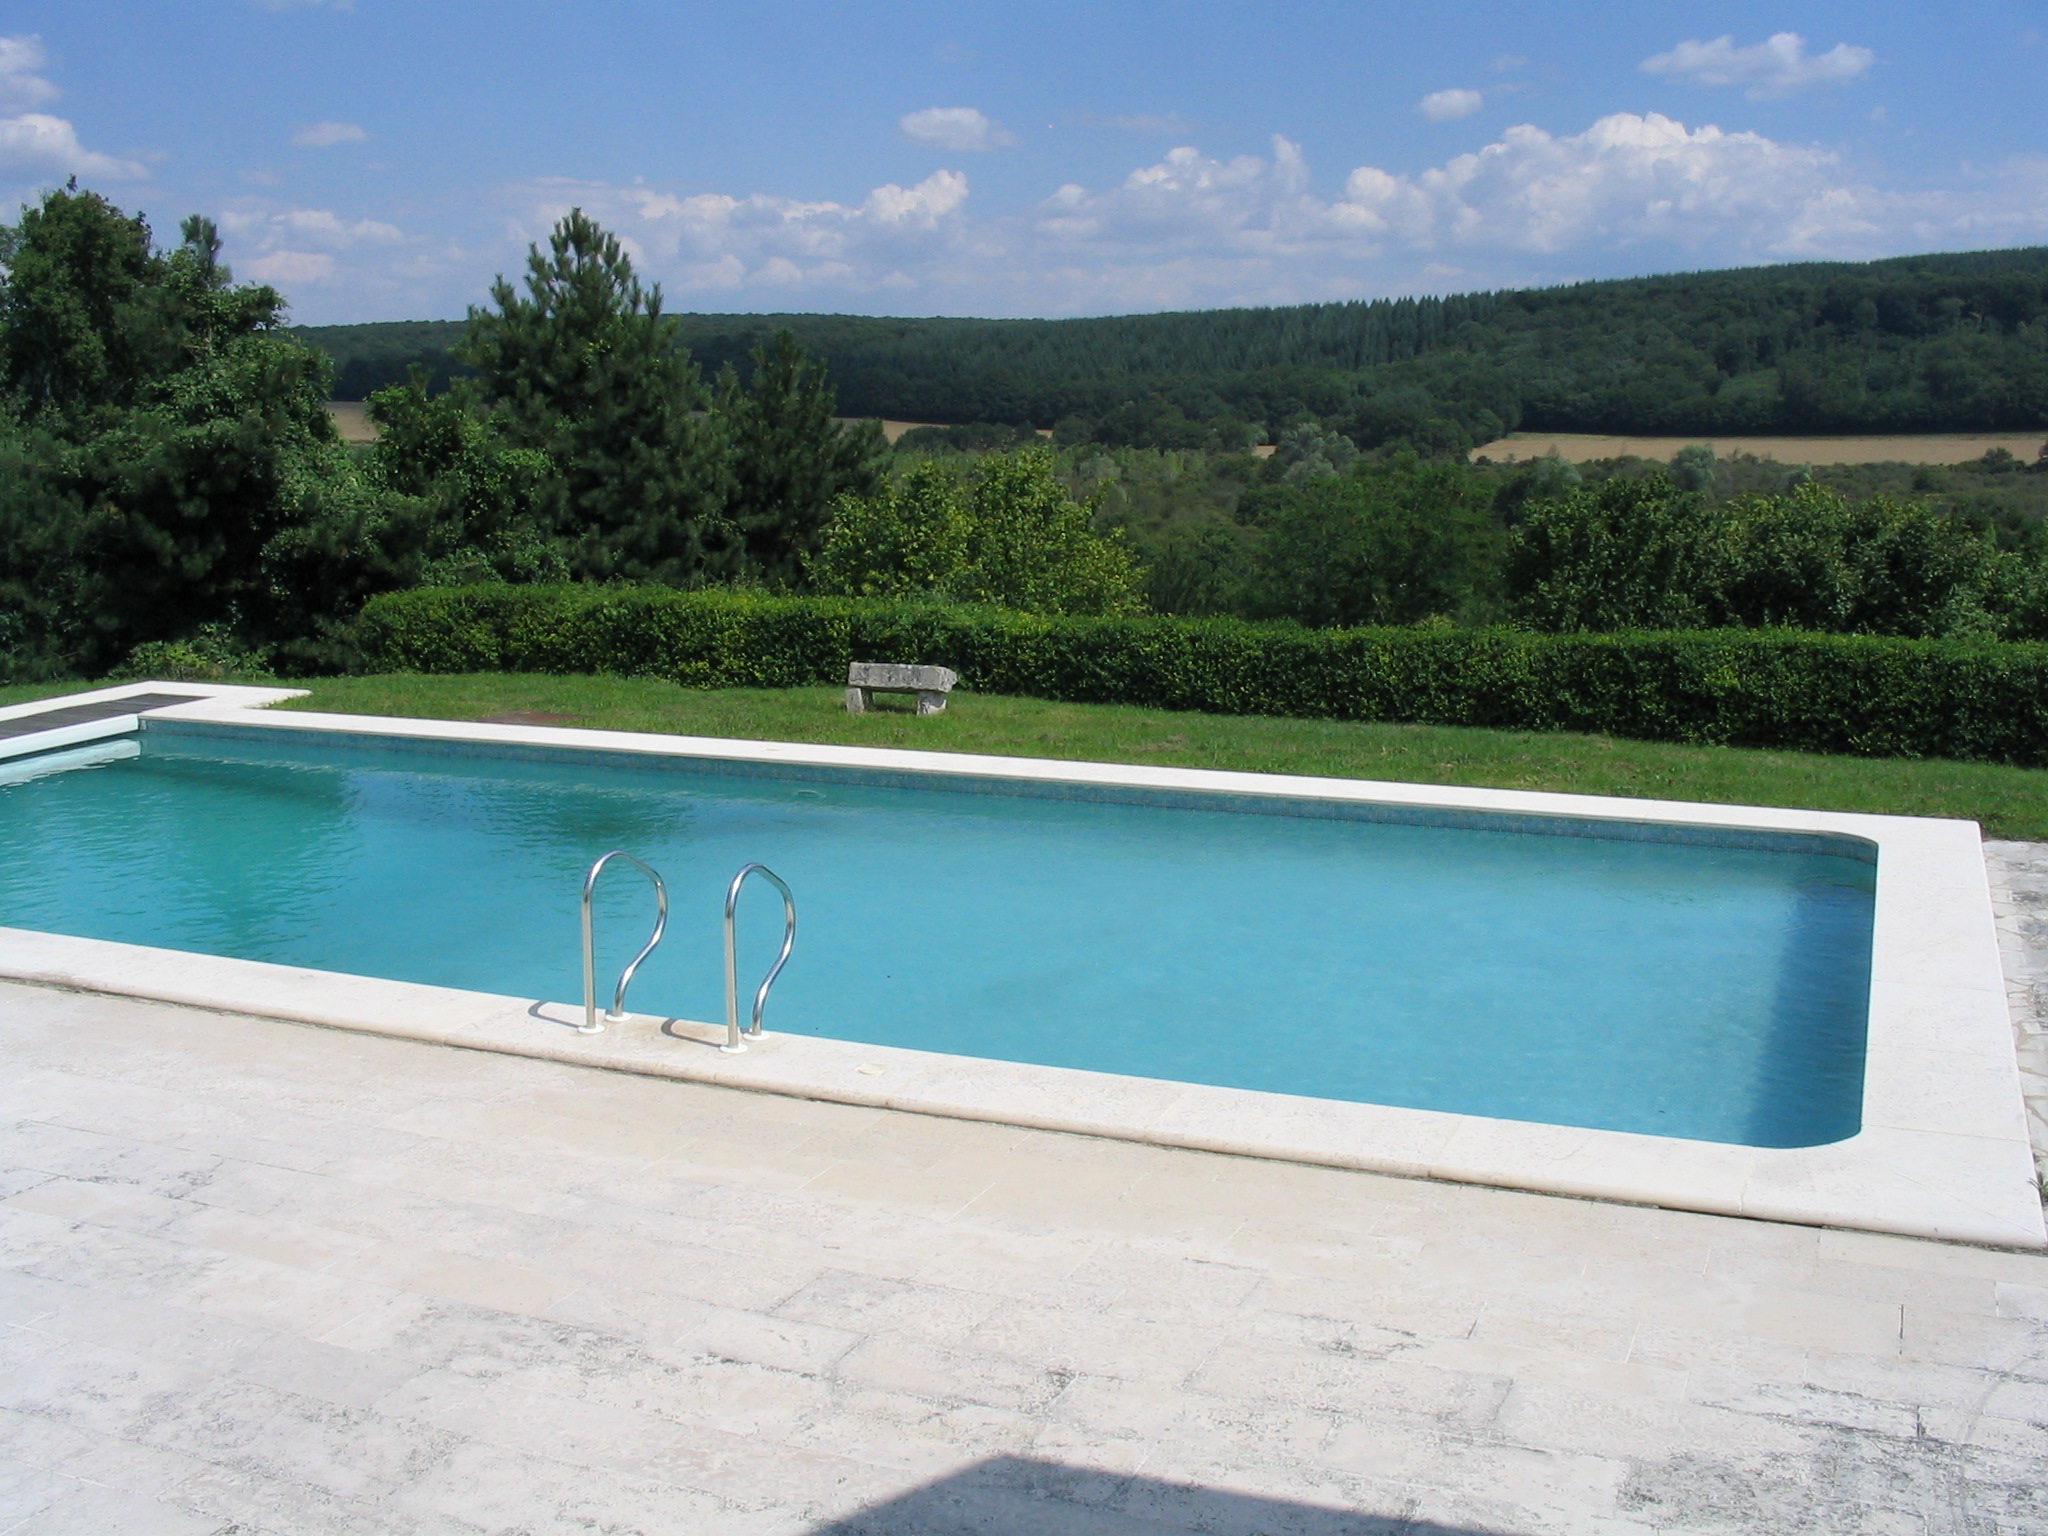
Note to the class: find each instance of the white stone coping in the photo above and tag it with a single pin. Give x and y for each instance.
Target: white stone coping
(1943, 1150)
(211, 694)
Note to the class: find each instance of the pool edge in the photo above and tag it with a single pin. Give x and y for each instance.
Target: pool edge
(1943, 1152)
(1950, 1192)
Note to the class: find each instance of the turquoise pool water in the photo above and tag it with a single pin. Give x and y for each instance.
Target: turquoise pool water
(1681, 989)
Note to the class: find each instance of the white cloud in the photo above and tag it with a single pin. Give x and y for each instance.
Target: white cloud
(289, 267)
(43, 147)
(955, 128)
(326, 135)
(271, 229)
(299, 245)
(21, 87)
(1627, 180)
(1629, 193)
(359, 269)
(34, 144)
(1447, 106)
(714, 243)
(1778, 66)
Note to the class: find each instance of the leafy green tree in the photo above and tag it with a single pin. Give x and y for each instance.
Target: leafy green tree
(46, 593)
(1202, 571)
(82, 312)
(1642, 554)
(1813, 560)
(790, 459)
(586, 369)
(910, 539)
(483, 498)
(1412, 542)
(974, 437)
(1618, 554)
(182, 470)
(1306, 452)
(1032, 546)
(1543, 480)
(1011, 536)
(1692, 468)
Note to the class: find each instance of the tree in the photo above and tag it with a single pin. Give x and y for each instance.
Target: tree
(1201, 571)
(1641, 554)
(587, 370)
(1619, 554)
(45, 591)
(1010, 536)
(1692, 468)
(182, 470)
(910, 539)
(82, 310)
(482, 498)
(1032, 546)
(1306, 452)
(790, 460)
(1412, 542)
(1811, 560)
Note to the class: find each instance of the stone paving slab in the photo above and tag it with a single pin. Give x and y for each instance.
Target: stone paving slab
(271, 1280)
(2019, 902)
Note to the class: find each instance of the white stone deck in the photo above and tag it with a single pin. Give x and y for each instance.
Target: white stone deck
(2019, 898)
(270, 1280)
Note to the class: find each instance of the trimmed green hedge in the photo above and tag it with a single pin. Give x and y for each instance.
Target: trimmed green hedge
(1980, 700)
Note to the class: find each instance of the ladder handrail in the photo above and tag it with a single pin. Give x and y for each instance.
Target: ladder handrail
(732, 983)
(590, 1024)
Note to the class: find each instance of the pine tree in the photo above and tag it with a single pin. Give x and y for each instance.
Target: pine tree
(178, 468)
(586, 369)
(791, 460)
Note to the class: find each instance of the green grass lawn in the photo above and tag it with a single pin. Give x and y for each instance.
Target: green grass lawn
(2007, 802)
(23, 693)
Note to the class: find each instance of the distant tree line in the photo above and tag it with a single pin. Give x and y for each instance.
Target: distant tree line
(1323, 535)
(169, 474)
(173, 493)
(1915, 344)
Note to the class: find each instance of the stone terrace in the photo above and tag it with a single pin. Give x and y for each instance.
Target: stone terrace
(260, 1278)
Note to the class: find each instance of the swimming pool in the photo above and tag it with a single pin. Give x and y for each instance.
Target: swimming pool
(1713, 986)
(1788, 1014)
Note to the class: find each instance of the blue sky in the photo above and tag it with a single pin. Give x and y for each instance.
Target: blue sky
(383, 159)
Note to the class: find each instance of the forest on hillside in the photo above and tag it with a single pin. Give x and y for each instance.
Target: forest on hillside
(1955, 342)
(176, 498)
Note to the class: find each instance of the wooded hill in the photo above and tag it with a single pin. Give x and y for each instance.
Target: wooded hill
(1954, 342)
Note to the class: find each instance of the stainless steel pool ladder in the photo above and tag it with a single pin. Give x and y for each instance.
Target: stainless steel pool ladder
(733, 1042)
(591, 1024)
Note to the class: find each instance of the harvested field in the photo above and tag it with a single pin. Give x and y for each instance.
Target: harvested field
(350, 422)
(355, 427)
(1921, 448)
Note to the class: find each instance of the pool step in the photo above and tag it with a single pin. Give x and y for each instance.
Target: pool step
(735, 1038)
(617, 1013)
(733, 1042)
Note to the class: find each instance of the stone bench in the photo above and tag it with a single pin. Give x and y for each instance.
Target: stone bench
(865, 679)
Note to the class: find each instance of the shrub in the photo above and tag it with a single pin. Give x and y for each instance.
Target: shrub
(213, 655)
(1972, 699)
(1009, 534)
(1645, 553)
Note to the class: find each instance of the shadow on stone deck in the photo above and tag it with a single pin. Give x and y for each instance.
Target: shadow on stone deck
(1019, 1496)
